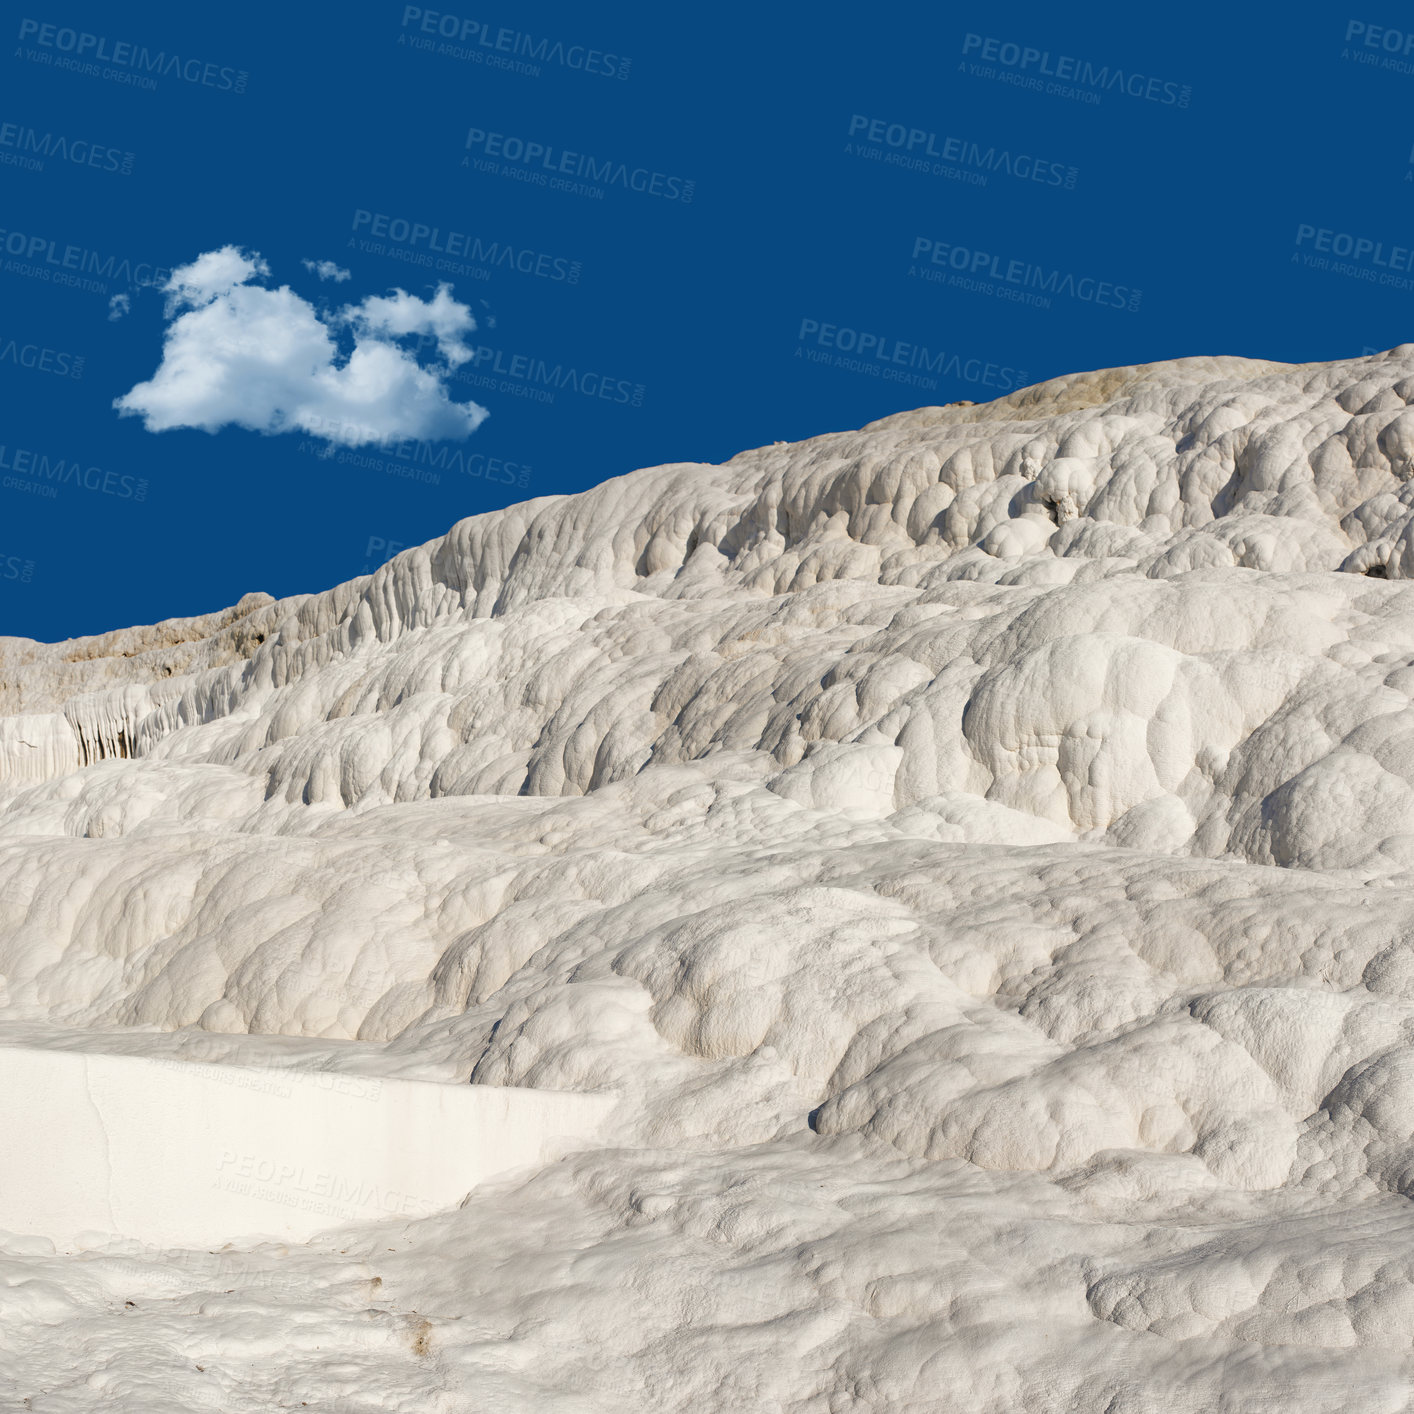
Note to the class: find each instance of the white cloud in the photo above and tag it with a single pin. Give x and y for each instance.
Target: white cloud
(400, 314)
(327, 270)
(209, 276)
(247, 356)
(118, 306)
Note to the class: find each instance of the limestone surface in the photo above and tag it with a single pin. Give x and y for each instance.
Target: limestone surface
(974, 851)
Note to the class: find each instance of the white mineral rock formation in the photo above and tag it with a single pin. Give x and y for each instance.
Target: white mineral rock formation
(975, 851)
(180, 1154)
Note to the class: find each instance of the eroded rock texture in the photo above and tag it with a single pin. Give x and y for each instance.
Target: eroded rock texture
(977, 849)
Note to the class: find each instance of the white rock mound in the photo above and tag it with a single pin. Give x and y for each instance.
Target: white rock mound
(976, 849)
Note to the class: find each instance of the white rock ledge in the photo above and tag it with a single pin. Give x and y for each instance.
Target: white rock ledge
(182, 1154)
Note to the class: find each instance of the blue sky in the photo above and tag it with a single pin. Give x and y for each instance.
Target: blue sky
(678, 234)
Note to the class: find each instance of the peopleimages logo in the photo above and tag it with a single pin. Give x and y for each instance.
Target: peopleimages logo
(526, 376)
(1031, 67)
(41, 359)
(1379, 47)
(1359, 257)
(432, 241)
(29, 149)
(919, 150)
(1018, 280)
(95, 49)
(419, 455)
(492, 42)
(41, 257)
(895, 360)
(324, 1192)
(547, 165)
(64, 471)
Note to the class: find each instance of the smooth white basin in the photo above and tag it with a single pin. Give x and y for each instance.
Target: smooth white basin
(178, 1153)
